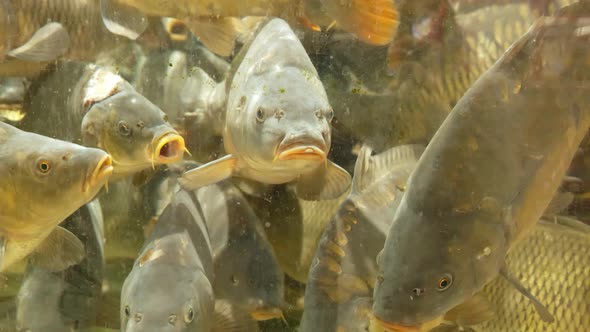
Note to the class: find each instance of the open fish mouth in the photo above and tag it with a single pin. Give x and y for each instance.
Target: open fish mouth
(101, 173)
(261, 314)
(301, 150)
(169, 149)
(392, 327)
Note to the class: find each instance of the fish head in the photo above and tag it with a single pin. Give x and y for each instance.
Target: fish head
(281, 117)
(166, 291)
(134, 131)
(433, 262)
(54, 178)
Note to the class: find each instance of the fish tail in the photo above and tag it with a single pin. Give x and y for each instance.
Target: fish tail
(373, 21)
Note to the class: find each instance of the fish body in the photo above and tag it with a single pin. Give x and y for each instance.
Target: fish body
(177, 255)
(277, 120)
(294, 226)
(171, 285)
(487, 175)
(60, 301)
(102, 110)
(552, 261)
(247, 273)
(47, 180)
(217, 26)
(342, 274)
(436, 56)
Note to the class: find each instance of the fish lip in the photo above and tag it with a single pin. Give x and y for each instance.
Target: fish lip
(301, 149)
(393, 327)
(266, 313)
(101, 173)
(170, 148)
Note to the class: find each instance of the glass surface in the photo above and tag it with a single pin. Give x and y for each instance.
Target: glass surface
(294, 165)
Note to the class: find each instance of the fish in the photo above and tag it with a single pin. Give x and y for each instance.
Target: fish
(240, 249)
(338, 290)
(35, 33)
(293, 226)
(474, 193)
(277, 120)
(247, 273)
(217, 26)
(435, 57)
(102, 110)
(553, 261)
(46, 181)
(66, 300)
(170, 286)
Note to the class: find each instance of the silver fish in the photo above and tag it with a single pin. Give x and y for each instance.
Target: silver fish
(277, 120)
(170, 287)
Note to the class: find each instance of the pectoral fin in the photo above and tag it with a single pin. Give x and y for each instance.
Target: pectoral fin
(228, 318)
(545, 315)
(326, 182)
(217, 34)
(209, 173)
(60, 250)
(46, 44)
(123, 20)
(473, 311)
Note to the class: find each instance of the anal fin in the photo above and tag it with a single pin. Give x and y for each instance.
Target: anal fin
(60, 250)
(230, 318)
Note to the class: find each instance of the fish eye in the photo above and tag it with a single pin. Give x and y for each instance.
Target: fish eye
(127, 311)
(124, 128)
(260, 115)
(44, 166)
(190, 315)
(165, 117)
(445, 282)
(330, 115)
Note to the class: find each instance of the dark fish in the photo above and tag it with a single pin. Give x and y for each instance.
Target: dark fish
(475, 192)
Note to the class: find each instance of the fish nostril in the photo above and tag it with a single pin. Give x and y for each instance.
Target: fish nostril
(418, 291)
(138, 317)
(172, 319)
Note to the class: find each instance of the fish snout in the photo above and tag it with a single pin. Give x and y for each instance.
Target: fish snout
(393, 327)
(101, 173)
(303, 147)
(169, 148)
(266, 313)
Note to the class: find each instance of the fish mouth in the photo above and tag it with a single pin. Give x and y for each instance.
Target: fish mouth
(169, 149)
(393, 327)
(101, 173)
(301, 150)
(261, 314)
